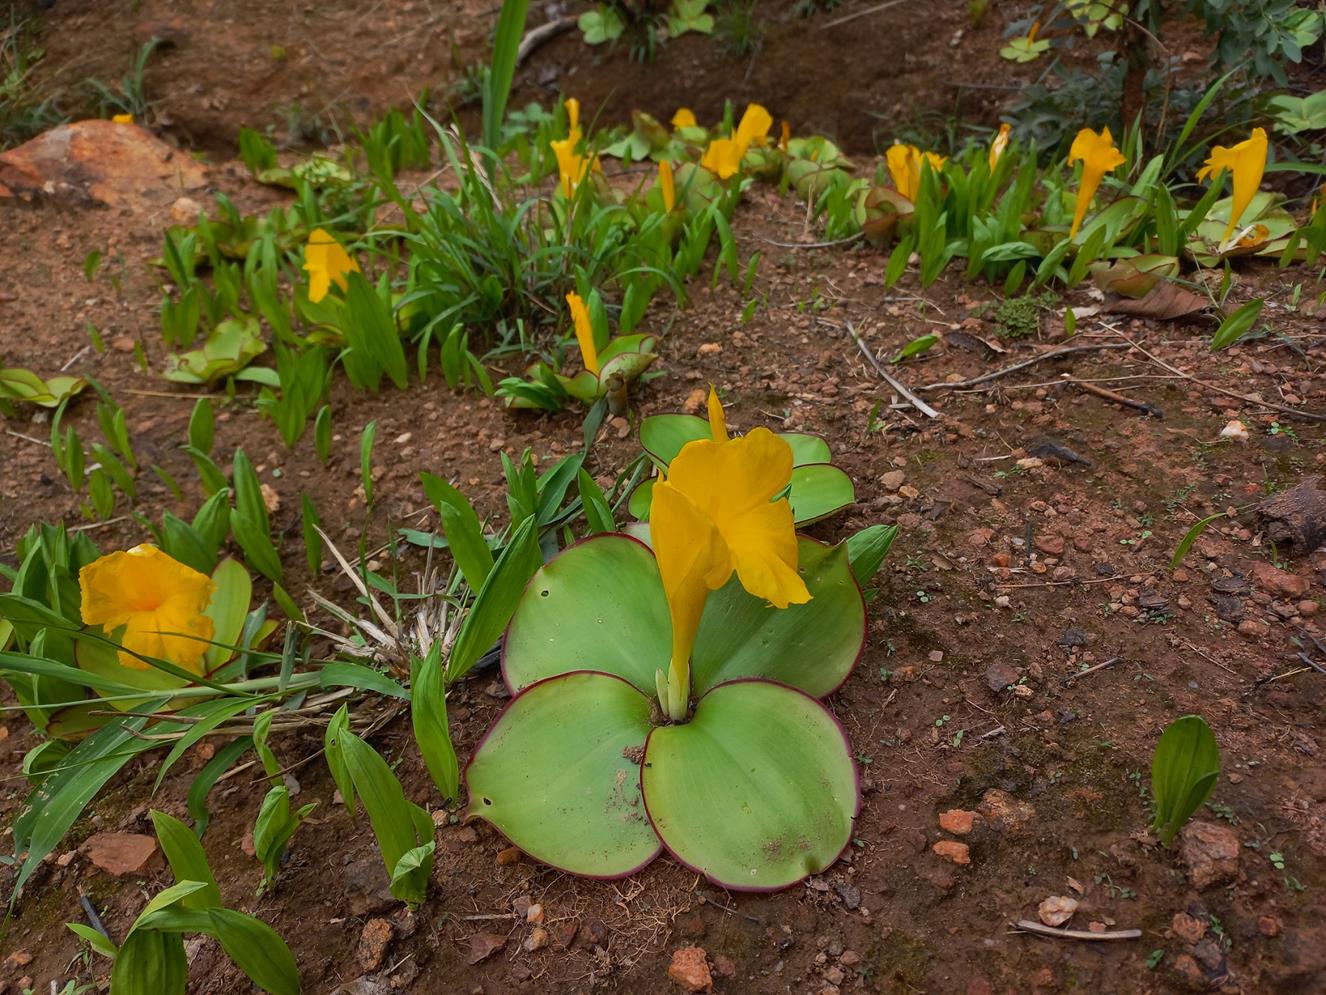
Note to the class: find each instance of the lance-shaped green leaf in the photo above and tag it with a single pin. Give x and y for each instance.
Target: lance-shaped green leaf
(1183, 773)
(755, 792)
(558, 774)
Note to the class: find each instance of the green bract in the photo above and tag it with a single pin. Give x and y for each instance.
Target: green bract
(755, 791)
(819, 489)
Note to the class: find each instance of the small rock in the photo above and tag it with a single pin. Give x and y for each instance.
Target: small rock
(1057, 910)
(1235, 430)
(834, 975)
(851, 896)
(957, 821)
(1050, 545)
(534, 914)
(893, 480)
(690, 970)
(566, 934)
(1188, 928)
(484, 945)
(537, 940)
(695, 401)
(1276, 581)
(509, 855)
(270, 498)
(19, 958)
(725, 967)
(709, 349)
(1003, 811)
(999, 675)
(373, 942)
(1268, 926)
(594, 934)
(952, 850)
(1308, 608)
(1211, 853)
(121, 853)
(1190, 973)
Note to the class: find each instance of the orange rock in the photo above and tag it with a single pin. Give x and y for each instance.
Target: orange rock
(954, 851)
(510, 855)
(121, 853)
(116, 164)
(690, 970)
(957, 821)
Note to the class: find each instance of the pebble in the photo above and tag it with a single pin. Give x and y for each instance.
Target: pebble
(690, 970)
(1211, 852)
(1056, 910)
(484, 945)
(957, 821)
(959, 853)
(999, 675)
(893, 480)
(508, 855)
(1188, 928)
(121, 853)
(537, 940)
(371, 950)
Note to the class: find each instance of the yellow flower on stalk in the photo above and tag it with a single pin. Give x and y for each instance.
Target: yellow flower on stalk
(1247, 162)
(722, 158)
(998, 145)
(753, 129)
(122, 118)
(589, 353)
(572, 167)
(326, 263)
(667, 185)
(157, 600)
(1098, 156)
(904, 165)
(715, 514)
(684, 118)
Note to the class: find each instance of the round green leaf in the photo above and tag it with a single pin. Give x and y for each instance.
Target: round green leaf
(818, 490)
(812, 647)
(597, 606)
(554, 775)
(757, 791)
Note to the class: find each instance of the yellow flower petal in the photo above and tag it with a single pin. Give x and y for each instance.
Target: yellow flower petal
(753, 128)
(122, 118)
(684, 118)
(692, 561)
(722, 158)
(572, 114)
(667, 184)
(734, 483)
(571, 165)
(1247, 162)
(589, 354)
(157, 603)
(1098, 156)
(904, 165)
(999, 144)
(785, 137)
(326, 263)
(717, 420)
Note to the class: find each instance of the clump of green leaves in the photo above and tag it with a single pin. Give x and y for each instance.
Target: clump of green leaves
(1183, 773)
(276, 823)
(152, 961)
(1020, 317)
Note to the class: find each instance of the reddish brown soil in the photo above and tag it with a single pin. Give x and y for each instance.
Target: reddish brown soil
(1079, 551)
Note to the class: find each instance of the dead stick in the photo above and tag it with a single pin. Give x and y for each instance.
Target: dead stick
(915, 401)
(1090, 670)
(537, 36)
(1028, 926)
(1269, 405)
(1006, 370)
(1116, 397)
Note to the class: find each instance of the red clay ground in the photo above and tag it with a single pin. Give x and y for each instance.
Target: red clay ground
(1003, 574)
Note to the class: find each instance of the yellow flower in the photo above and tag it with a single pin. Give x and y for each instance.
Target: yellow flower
(668, 185)
(753, 128)
(998, 145)
(1247, 161)
(904, 165)
(158, 601)
(1098, 157)
(684, 118)
(785, 137)
(722, 158)
(326, 263)
(713, 515)
(122, 118)
(589, 354)
(572, 167)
